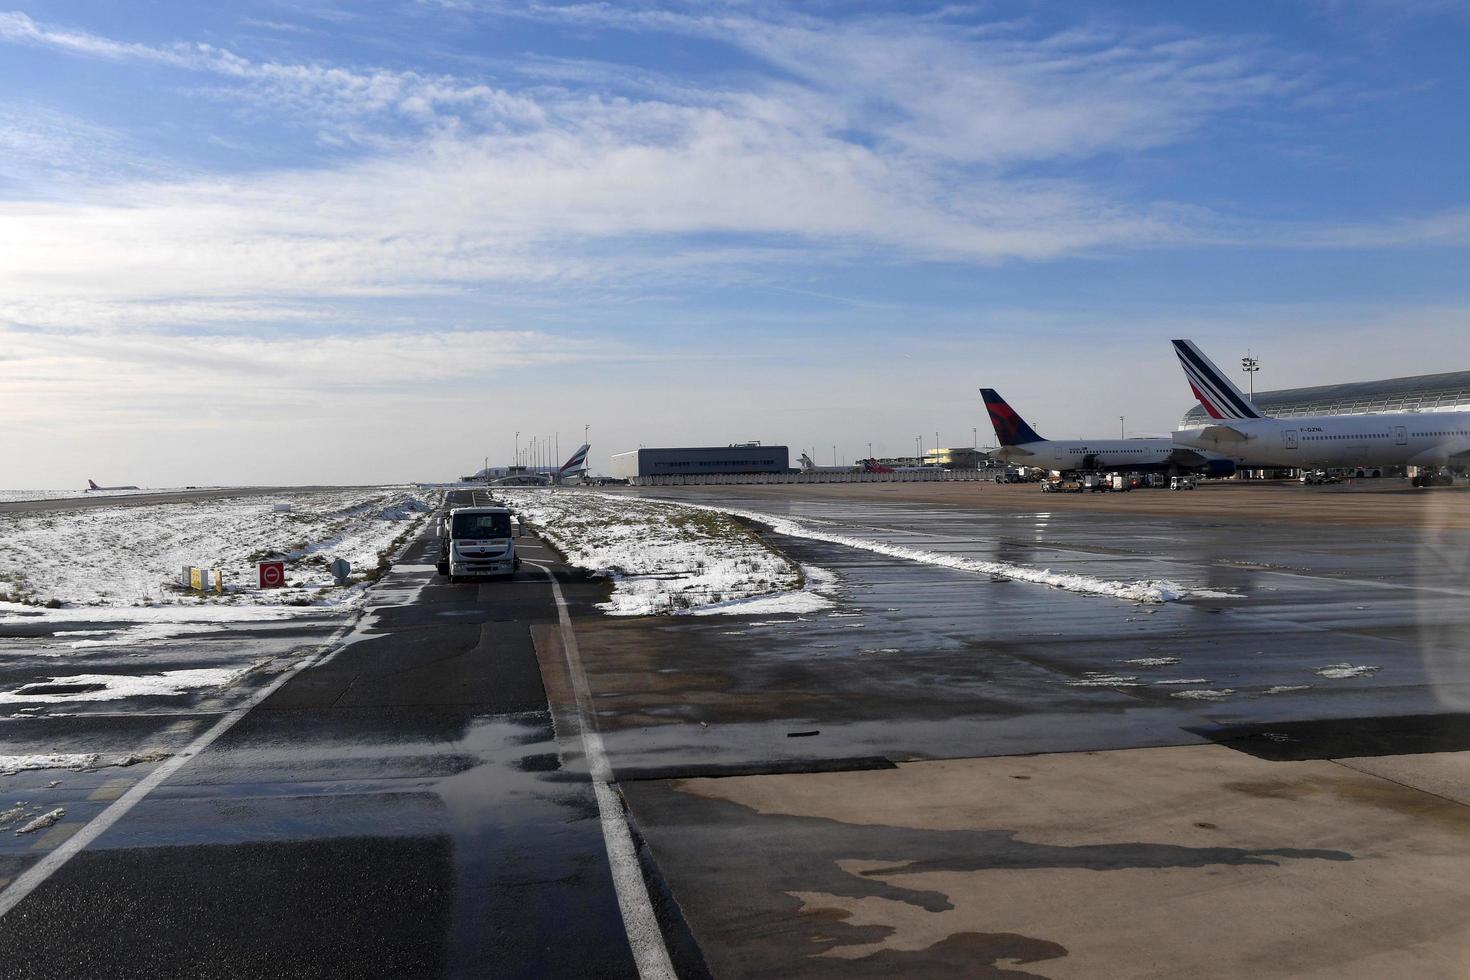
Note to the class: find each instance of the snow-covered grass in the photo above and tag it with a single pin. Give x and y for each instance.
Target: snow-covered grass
(122, 557)
(1146, 590)
(667, 558)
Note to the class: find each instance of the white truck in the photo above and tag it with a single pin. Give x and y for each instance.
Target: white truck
(475, 542)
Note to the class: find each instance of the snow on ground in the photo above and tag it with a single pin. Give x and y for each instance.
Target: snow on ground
(667, 558)
(1204, 695)
(8, 496)
(129, 557)
(1338, 672)
(1146, 590)
(75, 761)
(114, 687)
(42, 822)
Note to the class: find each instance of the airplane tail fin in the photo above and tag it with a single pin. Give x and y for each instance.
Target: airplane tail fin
(1010, 428)
(1216, 393)
(92, 486)
(578, 461)
(806, 462)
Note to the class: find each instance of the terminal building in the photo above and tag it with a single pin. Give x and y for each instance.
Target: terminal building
(1421, 393)
(748, 457)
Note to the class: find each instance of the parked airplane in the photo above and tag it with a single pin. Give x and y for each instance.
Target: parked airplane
(1428, 439)
(808, 466)
(1019, 444)
(92, 486)
(574, 468)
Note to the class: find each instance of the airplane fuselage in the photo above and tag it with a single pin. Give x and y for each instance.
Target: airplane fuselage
(1066, 455)
(1333, 441)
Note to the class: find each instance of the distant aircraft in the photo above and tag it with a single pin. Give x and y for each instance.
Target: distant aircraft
(808, 466)
(1019, 444)
(1427, 439)
(92, 486)
(575, 467)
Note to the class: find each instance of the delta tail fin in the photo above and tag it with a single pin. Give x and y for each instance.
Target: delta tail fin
(1010, 428)
(1217, 394)
(92, 486)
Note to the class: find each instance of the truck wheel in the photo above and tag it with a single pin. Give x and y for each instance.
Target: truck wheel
(442, 568)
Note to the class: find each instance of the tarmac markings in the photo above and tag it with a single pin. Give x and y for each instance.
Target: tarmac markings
(34, 876)
(639, 920)
(57, 835)
(111, 789)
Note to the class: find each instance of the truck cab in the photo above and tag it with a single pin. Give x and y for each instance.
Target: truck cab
(476, 542)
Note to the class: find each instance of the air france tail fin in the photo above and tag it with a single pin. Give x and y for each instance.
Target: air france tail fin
(1010, 428)
(1216, 393)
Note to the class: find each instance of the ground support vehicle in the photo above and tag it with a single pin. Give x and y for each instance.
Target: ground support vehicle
(478, 542)
(1182, 483)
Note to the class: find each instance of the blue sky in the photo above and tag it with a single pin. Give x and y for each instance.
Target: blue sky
(311, 242)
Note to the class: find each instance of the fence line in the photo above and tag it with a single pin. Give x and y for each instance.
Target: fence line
(912, 476)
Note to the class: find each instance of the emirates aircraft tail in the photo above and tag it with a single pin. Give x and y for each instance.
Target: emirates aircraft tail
(576, 465)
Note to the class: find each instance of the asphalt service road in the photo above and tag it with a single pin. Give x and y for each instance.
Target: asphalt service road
(401, 808)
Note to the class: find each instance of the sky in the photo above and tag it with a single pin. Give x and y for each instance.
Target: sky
(330, 242)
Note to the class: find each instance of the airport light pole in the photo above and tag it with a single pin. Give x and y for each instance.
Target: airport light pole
(1121, 434)
(834, 455)
(516, 459)
(1250, 365)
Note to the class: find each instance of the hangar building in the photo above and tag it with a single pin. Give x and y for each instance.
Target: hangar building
(742, 458)
(1448, 392)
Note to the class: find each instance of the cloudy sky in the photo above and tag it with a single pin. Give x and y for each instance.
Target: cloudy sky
(343, 242)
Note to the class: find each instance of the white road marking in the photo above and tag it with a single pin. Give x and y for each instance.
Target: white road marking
(639, 920)
(34, 876)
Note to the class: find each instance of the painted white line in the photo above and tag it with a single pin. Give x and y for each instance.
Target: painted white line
(639, 920)
(36, 874)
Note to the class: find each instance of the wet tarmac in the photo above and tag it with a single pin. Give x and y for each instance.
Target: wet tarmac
(943, 774)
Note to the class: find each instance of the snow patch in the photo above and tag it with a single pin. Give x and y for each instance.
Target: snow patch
(667, 558)
(1094, 678)
(1287, 688)
(42, 822)
(113, 687)
(1204, 695)
(1151, 661)
(1339, 672)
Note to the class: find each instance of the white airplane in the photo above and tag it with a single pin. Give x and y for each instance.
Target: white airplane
(1428, 439)
(574, 468)
(92, 486)
(1019, 444)
(808, 466)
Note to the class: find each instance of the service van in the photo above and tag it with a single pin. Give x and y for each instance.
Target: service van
(476, 542)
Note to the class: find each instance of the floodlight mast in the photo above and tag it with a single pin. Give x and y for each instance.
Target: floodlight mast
(1250, 365)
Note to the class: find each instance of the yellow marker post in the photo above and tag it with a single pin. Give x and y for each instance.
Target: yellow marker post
(196, 578)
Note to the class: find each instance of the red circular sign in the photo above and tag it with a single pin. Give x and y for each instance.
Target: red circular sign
(272, 574)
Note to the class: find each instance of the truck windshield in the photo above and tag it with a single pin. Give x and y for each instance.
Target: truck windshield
(481, 526)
